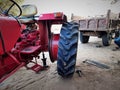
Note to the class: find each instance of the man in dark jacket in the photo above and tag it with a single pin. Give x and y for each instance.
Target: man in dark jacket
(117, 42)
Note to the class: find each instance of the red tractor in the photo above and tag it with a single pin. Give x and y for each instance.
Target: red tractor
(24, 37)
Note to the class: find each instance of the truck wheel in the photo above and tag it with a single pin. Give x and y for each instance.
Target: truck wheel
(67, 49)
(84, 39)
(107, 39)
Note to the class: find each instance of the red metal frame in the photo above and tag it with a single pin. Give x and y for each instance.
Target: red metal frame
(9, 64)
(10, 31)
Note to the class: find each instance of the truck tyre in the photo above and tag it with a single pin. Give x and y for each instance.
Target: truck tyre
(106, 39)
(67, 49)
(84, 39)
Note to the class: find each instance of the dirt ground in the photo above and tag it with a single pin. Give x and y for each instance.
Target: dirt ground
(93, 78)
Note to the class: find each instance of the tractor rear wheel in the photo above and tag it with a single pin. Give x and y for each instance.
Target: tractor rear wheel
(67, 49)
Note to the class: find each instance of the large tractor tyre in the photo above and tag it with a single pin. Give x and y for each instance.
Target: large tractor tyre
(84, 39)
(67, 49)
(107, 39)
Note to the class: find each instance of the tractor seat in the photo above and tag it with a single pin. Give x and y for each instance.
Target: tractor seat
(27, 20)
(28, 13)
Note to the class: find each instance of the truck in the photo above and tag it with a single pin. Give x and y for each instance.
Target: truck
(105, 26)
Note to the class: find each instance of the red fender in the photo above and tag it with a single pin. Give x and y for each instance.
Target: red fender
(9, 33)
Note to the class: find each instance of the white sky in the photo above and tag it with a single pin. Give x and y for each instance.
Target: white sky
(78, 7)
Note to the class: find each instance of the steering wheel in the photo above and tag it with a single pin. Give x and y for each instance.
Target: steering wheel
(14, 3)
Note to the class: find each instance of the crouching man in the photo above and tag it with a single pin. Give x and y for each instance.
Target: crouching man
(117, 42)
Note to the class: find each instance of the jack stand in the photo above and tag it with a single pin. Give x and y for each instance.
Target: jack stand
(45, 66)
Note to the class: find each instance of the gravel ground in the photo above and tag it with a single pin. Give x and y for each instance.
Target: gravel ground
(92, 78)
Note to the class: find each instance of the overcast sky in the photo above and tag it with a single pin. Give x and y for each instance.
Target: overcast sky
(78, 7)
